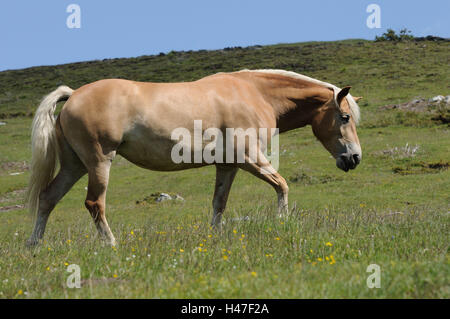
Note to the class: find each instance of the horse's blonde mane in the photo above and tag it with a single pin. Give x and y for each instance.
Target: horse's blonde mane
(354, 108)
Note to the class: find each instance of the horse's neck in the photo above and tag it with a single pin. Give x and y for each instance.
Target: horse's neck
(294, 103)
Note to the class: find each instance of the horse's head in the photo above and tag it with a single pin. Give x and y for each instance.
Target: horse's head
(335, 126)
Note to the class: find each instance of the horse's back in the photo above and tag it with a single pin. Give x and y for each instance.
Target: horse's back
(138, 118)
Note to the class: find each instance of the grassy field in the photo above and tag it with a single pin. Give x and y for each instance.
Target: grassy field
(393, 210)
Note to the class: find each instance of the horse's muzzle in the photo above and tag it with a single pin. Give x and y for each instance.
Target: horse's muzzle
(347, 162)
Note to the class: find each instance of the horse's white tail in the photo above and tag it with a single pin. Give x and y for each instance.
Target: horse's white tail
(44, 146)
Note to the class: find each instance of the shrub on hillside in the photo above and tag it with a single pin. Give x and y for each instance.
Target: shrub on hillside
(391, 35)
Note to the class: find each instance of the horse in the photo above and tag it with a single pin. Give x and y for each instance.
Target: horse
(135, 119)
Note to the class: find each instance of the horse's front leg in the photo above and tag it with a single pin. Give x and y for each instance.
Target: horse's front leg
(262, 169)
(224, 178)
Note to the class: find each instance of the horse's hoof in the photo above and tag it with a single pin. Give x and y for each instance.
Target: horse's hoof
(283, 216)
(31, 243)
(109, 242)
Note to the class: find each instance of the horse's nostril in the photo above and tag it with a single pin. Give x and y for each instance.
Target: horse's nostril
(356, 159)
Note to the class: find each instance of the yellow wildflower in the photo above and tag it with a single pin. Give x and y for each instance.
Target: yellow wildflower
(333, 261)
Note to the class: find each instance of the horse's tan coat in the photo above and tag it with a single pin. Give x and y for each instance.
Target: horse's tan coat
(136, 119)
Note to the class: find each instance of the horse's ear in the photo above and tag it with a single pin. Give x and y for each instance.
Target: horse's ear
(343, 93)
(357, 98)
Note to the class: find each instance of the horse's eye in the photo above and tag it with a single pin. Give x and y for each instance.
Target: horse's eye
(345, 118)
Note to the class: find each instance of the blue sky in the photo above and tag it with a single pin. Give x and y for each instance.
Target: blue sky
(34, 33)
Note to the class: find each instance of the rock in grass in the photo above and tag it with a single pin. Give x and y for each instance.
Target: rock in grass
(160, 197)
(437, 98)
(447, 99)
(178, 197)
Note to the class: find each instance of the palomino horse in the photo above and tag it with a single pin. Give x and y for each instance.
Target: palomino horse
(135, 120)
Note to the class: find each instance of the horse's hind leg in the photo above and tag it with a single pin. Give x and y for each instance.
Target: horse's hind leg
(224, 178)
(96, 197)
(72, 169)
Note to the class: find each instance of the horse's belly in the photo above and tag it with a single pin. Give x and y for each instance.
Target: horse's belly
(151, 151)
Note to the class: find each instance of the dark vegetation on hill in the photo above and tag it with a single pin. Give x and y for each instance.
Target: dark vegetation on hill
(383, 72)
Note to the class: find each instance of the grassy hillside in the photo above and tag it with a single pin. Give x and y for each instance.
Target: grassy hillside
(381, 72)
(392, 210)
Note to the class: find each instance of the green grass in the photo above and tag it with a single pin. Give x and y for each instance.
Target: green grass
(373, 214)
